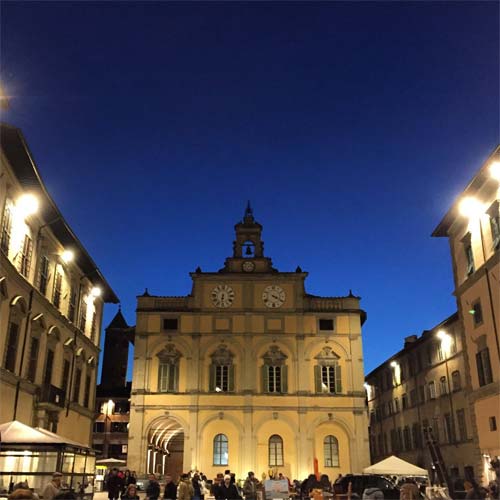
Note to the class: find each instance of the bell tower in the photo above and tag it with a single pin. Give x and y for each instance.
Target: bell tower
(248, 247)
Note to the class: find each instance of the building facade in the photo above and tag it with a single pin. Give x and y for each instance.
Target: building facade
(424, 385)
(248, 372)
(472, 226)
(113, 393)
(51, 302)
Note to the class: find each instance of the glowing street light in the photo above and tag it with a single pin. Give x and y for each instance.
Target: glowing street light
(393, 364)
(95, 292)
(445, 341)
(471, 207)
(67, 256)
(27, 204)
(495, 170)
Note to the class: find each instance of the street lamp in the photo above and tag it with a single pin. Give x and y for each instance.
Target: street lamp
(446, 341)
(27, 204)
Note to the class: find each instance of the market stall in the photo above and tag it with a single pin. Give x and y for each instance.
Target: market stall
(33, 454)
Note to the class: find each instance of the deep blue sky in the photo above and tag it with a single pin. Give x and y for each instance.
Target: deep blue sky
(350, 126)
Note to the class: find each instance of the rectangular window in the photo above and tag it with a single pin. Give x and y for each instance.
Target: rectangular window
(435, 429)
(484, 367)
(65, 377)
(25, 256)
(493, 423)
(93, 327)
(417, 441)
(274, 379)
(462, 426)
(443, 384)
(328, 378)
(11, 351)
(44, 274)
(449, 427)
(407, 438)
(49, 363)
(119, 426)
(432, 390)
(326, 324)
(429, 355)
(477, 314)
(57, 289)
(222, 378)
(32, 362)
(86, 394)
(6, 229)
(469, 258)
(421, 393)
(404, 401)
(167, 377)
(170, 323)
(76, 388)
(396, 405)
(83, 316)
(275, 451)
(413, 397)
(495, 230)
(98, 428)
(72, 304)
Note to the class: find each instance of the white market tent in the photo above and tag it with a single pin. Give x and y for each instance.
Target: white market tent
(394, 466)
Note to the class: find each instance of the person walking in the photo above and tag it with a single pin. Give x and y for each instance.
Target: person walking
(54, 487)
(250, 487)
(170, 492)
(185, 490)
(114, 484)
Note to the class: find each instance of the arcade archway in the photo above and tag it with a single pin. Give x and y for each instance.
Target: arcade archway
(165, 448)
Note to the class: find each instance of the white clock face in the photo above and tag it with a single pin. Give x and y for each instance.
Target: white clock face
(273, 296)
(222, 296)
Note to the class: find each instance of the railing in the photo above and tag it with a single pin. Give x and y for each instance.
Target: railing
(163, 303)
(52, 394)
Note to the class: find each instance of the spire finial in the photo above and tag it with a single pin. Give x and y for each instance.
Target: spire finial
(248, 217)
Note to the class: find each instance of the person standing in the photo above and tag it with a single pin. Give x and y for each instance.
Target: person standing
(228, 490)
(114, 484)
(170, 492)
(409, 490)
(130, 493)
(250, 487)
(53, 488)
(153, 489)
(196, 487)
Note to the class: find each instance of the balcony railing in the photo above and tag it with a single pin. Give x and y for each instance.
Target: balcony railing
(52, 394)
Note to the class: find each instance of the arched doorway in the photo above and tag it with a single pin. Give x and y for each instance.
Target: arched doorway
(165, 448)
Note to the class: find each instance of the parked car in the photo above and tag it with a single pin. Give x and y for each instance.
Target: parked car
(361, 482)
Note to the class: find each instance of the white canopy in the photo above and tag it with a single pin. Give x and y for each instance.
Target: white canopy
(16, 432)
(110, 461)
(394, 466)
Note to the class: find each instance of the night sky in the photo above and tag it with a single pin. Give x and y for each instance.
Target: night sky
(351, 127)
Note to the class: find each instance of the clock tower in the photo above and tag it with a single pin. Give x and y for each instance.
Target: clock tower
(248, 248)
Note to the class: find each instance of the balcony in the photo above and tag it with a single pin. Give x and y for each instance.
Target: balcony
(52, 395)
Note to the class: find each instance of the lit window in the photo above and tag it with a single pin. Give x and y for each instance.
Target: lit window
(6, 228)
(274, 371)
(221, 454)
(275, 451)
(25, 256)
(331, 449)
(221, 370)
(327, 373)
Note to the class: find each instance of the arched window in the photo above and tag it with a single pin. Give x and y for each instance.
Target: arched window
(274, 371)
(455, 379)
(220, 450)
(331, 449)
(168, 370)
(275, 451)
(327, 375)
(222, 370)
(16, 314)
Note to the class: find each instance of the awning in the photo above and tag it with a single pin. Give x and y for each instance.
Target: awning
(394, 466)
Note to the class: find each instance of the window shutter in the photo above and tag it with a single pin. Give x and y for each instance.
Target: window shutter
(317, 379)
(230, 381)
(176, 378)
(211, 383)
(480, 371)
(338, 380)
(265, 378)
(284, 379)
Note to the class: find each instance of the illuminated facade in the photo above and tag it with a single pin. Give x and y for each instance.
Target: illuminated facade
(51, 303)
(248, 372)
(424, 385)
(472, 226)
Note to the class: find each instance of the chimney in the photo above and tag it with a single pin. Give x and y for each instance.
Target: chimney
(410, 340)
